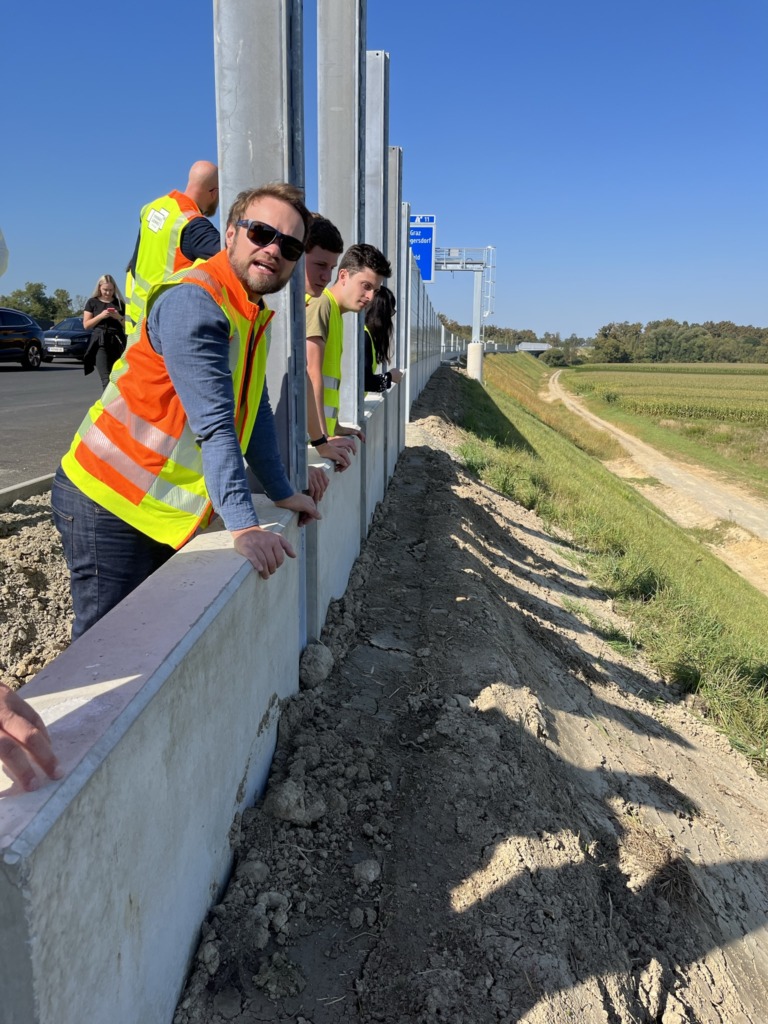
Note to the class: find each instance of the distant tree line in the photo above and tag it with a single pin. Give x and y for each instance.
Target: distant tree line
(668, 341)
(33, 300)
(658, 341)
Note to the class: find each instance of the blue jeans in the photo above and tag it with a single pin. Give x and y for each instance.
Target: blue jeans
(106, 557)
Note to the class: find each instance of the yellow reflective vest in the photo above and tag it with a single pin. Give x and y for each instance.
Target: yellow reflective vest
(134, 453)
(158, 255)
(334, 346)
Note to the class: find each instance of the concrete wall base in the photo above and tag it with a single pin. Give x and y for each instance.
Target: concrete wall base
(164, 719)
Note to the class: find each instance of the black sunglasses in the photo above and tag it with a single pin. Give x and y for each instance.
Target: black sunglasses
(264, 234)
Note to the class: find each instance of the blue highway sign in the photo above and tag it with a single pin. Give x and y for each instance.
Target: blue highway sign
(422, 238)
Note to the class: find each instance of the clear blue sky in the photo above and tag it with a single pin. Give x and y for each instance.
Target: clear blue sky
(614, 152)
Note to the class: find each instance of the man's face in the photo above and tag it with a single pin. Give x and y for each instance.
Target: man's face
(353, 292)
(318, 269)
(263, 270)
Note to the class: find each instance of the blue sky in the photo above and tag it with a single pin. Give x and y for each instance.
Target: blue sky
(614, 152)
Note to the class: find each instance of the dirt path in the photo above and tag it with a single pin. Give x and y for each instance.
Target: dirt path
(690, 495)
(483, 814)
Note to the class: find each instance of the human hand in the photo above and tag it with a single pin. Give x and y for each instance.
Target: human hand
(340, 456)
(349, 432)
(24, 739)
(318, 481)
(396, 375)
(303, 504)
(265, 550)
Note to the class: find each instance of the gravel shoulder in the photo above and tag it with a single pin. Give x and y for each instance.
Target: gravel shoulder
(478, 812)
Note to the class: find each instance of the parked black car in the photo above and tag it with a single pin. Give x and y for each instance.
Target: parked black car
(68, 339)
(21, 339)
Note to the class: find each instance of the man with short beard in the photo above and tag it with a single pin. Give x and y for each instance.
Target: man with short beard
(162, 450)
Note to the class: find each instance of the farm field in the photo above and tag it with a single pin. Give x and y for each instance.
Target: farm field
(712, 414)
(686, 608)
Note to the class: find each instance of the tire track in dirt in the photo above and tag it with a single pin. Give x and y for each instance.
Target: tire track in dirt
(689, 495)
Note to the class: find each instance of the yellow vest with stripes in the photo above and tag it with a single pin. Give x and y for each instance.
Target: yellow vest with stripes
(134, 453)
(159, 254)
(334, 346)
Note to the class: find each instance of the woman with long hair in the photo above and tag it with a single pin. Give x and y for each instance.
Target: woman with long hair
(104, 314)
(379, 325)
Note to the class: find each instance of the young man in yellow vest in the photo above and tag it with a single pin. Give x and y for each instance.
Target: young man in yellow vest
(362, 271)
(324, 247)
(173, 232)
(162, 450)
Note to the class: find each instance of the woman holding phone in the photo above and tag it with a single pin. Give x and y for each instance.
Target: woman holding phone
(104, 314)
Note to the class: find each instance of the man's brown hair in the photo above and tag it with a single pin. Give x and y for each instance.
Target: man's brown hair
(324, 235)
(365, 257)
(290, 194)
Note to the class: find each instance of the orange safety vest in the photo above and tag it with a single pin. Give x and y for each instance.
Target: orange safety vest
(135, 453)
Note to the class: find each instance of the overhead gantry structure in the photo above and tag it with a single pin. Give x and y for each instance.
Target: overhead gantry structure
(481, 263)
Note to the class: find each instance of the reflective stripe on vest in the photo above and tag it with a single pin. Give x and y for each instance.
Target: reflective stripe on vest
(135, 454)
(159, 254)
(334, 345)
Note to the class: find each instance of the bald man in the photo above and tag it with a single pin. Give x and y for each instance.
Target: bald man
(174, 231)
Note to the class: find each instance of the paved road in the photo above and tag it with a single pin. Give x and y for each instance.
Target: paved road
(39, 413)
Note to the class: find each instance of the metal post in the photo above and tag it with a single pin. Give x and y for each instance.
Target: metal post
(394, 221)
(404, 319)
(340, 137)
(376, 148)
(376, 179)
(477, 307)
(398, 256)
(258, 56)
(260, 125)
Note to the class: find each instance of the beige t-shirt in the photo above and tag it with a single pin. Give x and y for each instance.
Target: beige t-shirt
(318, 315)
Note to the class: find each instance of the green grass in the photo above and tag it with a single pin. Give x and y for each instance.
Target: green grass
(707, 428)
(700, 623)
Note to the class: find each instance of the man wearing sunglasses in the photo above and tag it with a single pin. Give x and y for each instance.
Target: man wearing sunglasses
(362, 271)
(174, 231)
(162, 451)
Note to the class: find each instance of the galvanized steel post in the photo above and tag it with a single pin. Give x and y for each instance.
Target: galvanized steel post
(340, 143)
(260, 124)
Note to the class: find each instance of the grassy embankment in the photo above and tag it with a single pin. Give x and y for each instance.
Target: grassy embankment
(693, 617)
(715, 415)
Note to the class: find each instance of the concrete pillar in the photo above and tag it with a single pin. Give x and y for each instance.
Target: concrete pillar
(475, 360)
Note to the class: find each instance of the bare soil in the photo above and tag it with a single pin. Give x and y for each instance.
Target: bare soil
(482, 813)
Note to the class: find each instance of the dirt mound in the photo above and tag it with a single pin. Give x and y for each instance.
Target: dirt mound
(483, 814)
